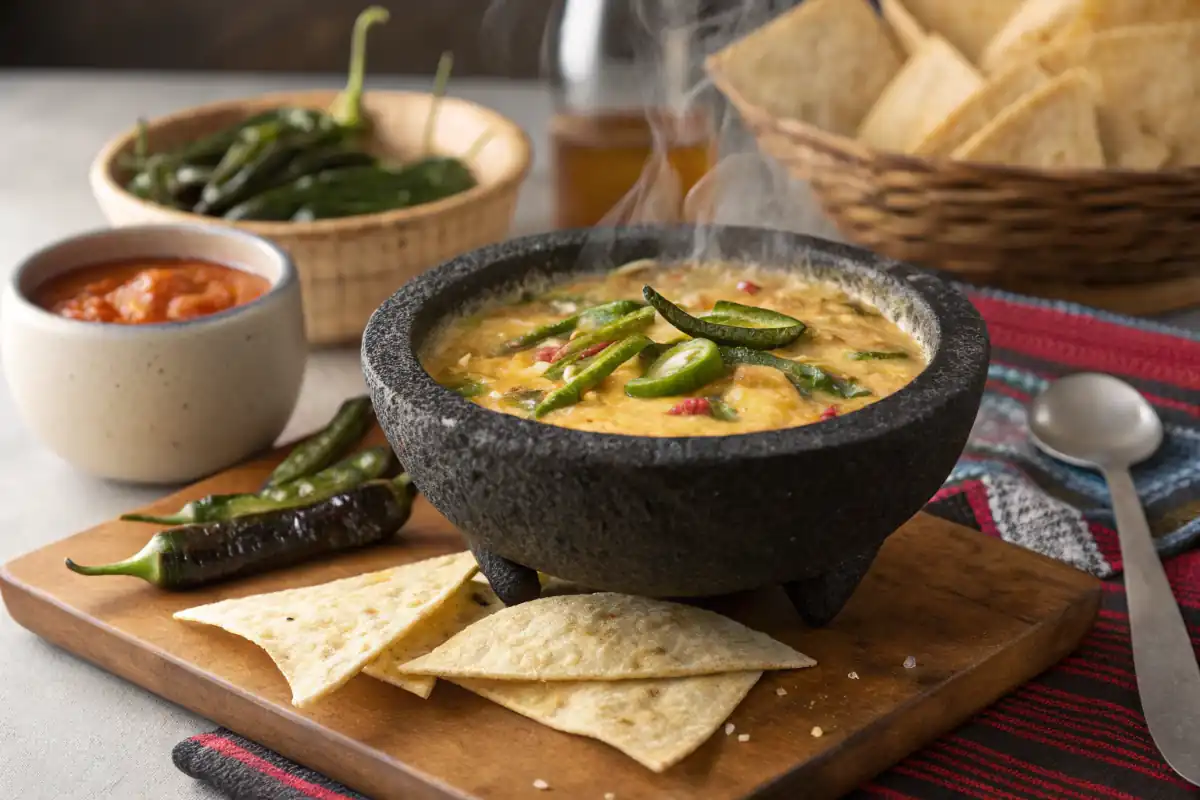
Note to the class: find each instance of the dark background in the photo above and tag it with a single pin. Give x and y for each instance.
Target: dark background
(272, 35)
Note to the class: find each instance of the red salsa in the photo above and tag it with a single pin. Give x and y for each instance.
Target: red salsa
(148, 290)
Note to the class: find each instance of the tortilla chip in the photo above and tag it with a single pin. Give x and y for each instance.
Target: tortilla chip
(1034, 24)
(472, 602)
(321, 636)
(1054, 126)
(604, 636)
(997, 94)
(904, 25)
(967, 24)
(823, 62)
(658, 723)
(1102, 15)
(931, 84)
(1149, 78)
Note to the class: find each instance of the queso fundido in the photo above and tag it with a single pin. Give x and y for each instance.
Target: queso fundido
(677, 350)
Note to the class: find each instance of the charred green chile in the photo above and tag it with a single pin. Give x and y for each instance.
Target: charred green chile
(682, 369)
(587, 320)
(875, 355)
(720, 410)
(619, 328)
(194, 555)
(601, 367)
(365, 465)
(349, 424)
(759, 338)
(805, 377)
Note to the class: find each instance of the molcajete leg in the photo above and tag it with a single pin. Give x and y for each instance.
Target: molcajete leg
(818, 600)
(512, 583)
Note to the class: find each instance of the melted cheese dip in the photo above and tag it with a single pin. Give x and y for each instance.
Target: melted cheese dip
(464, 354)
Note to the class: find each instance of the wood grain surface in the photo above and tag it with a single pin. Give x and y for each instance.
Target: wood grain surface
(979, 616)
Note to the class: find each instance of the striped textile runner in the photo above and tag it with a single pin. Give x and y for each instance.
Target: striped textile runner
(1075, 732)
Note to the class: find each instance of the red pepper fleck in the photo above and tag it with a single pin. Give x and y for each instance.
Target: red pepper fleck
(829, 413)
(692, 406)
(588, 352)
(749, 287)
(548, 353)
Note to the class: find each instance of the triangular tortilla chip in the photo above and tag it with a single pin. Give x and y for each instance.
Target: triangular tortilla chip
(934, 82)
(997, 94)
(473, 601)
(1149, 78)
(823, 62)
(604, 636)
(1102, 15)
(909, 33)
(1033, 25)
(967, 24)
(321, 636)
(658, 723)
(1054, 126)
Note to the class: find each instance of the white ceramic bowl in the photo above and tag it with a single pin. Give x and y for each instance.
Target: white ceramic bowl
(160, 403)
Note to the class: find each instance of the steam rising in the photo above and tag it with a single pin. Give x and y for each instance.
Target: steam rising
(745, 188)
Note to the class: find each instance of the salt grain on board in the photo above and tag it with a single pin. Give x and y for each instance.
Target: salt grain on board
(729, 728)
(853, 676)
(609, 796)
(541, 785)
(817, 732)
(910, 662)
(781, 691)
(743, 737)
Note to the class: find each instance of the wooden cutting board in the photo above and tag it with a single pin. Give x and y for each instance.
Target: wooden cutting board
(979, 616)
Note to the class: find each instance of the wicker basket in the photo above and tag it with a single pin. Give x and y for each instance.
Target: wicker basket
(349, 266)
(994, 224)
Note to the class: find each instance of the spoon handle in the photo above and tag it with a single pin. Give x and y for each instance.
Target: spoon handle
(1168, 677)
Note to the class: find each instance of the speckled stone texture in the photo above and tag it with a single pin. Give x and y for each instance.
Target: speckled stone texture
(680, 517)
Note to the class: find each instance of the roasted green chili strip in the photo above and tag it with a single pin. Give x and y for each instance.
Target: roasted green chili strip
(731, 335)
(805, 377)
(618, 329)
(587, 320)
(682, 369)
(468, 387)
(365, 465)
(195, 555)
(600, 368)
(349, 424)
(757, 317)
(523, 399)
(720, 410)
(875, 355)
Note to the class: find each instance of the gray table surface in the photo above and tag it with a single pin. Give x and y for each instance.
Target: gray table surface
(67, 729)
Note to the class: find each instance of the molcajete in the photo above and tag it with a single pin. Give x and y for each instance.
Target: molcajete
(804, 507)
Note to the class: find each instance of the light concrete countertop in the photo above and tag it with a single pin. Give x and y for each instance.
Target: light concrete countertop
(67, 729)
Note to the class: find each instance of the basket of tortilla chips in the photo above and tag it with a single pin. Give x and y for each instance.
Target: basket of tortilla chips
(1005, 140)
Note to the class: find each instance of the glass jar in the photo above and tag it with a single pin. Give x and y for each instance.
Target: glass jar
(630, 135)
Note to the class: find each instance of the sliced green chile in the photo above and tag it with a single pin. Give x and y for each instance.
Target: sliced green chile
(682, 369)
(600, 368)
(730, 335)
(805, 377)
(589, 319)
(759, 317)
(616, 330)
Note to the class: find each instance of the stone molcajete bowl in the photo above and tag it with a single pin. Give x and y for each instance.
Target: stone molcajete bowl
(806, 508)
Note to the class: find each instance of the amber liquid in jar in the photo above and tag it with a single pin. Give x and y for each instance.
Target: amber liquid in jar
(598, 158)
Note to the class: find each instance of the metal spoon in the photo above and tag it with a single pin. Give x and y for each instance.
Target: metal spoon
(1097, 421)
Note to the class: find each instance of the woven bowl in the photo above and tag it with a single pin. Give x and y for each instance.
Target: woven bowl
(994, 224)
(348, 266)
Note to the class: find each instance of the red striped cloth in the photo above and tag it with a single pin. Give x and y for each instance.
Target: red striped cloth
(1075, 732)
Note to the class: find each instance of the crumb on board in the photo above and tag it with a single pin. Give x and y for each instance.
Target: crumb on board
(743, 737)
(781, 691)
(729, 728)
(853, 676)
(540, 785)
(817, 732)
(910, 662)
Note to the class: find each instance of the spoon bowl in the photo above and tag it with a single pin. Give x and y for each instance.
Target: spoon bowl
(1094, 420)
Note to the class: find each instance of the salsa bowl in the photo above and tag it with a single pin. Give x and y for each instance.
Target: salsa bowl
(804, 507)
(165, 402)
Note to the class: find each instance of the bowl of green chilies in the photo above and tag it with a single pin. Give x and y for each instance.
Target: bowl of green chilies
(363, 189)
